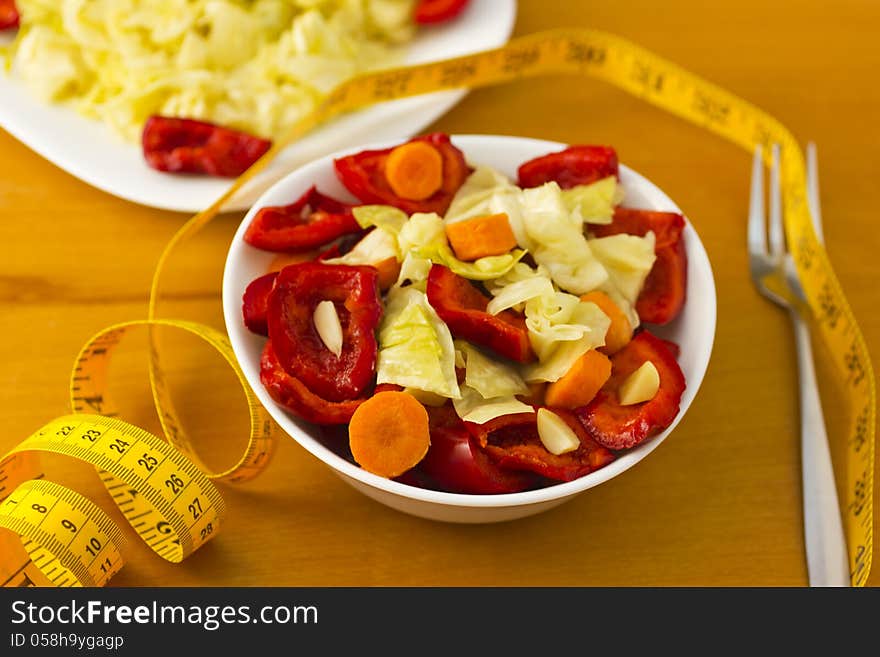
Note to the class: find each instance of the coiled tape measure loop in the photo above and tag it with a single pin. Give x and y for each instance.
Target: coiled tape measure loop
(52, 527)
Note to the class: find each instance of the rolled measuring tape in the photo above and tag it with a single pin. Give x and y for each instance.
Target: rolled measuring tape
(58, 537)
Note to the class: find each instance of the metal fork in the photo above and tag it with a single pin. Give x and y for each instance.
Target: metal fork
(775, 276)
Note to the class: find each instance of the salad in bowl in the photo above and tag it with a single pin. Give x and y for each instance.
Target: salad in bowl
(445, 325)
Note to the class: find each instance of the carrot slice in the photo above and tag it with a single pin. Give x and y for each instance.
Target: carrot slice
(620, 332)
(489, 235)
(581, 383)
(389, 270)
(414, 170)
(389, 434)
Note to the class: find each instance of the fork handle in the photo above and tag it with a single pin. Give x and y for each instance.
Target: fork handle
(827, 561)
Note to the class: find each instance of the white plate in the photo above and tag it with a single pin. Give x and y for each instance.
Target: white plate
(94, 154)
(693, 330)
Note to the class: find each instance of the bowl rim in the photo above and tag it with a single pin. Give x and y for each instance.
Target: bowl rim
(340, 466)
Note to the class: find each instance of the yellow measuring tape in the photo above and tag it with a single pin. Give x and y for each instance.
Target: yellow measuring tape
(58, 537)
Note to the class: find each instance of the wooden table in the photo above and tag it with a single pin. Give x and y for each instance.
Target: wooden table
(718, 504)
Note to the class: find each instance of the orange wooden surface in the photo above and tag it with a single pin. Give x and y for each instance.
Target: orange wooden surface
(717, 504)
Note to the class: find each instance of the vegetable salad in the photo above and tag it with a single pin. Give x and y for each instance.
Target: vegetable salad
(251, 65)
(505, 320)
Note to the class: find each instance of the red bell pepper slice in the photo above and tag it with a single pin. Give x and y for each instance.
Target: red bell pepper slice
(190, 146)
(418, 479)
(463, 307)
(576, 165)
(673, 347)
(457, 464)
(255, 303)
(311, 221)
(621, 427)
(667, 226)
(296, 397)
(354, 291)
(663, 295)
(9, 16)
(429, 12)
(513, 442)
(363, 174)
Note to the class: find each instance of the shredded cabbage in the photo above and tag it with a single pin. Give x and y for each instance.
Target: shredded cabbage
(373, 248)
(383, 216)
(424, 235)
(559, 242)
(561, 327)
(414, 271)
(473, 407)
(489, 389)
(560, 355)
(627, 259)
(488, 191)
(415, 346)
(490, 377)
(426, 398)
(256, 65)
(518, 274)
(423, 230)
(594, 203)
(550, 319)
(511, 296)
(481, 269)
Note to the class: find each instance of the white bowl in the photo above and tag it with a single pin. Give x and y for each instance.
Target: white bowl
(693, 330)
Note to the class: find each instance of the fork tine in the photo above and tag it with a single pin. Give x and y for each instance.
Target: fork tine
(813, 191)
(777, 237)
(757, 235)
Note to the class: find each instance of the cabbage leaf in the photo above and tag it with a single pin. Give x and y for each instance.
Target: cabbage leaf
(559, 244)
(593, 203)
(627, 259)
(560, 355)
(473, 407)
(415, 346)
(490, 376)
